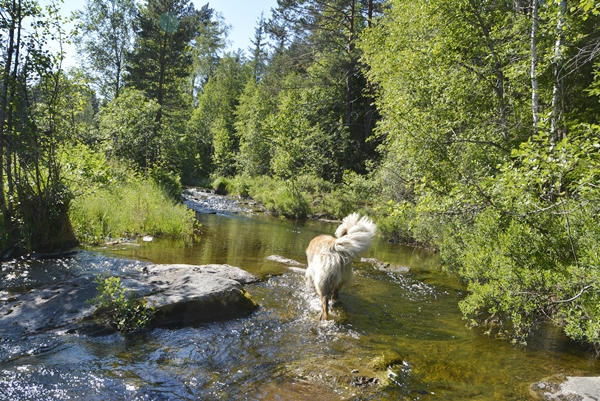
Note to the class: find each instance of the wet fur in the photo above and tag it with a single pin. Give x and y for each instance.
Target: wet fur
(330, 258)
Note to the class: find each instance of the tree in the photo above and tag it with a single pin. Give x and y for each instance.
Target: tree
(208, 46)
(259, 54)
(162, 58)
(323, 35)
(212, 123)
(490, 149)
(106, 38)
(33, 199)
(251, 125)
(128, 125)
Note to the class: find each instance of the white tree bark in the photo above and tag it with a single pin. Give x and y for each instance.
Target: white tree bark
(535, 102)
(557, 109)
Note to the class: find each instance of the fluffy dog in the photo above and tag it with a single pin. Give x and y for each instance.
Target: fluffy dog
(330, 258)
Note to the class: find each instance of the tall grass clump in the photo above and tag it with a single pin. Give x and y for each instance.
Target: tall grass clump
(137, 207)
(114, 201)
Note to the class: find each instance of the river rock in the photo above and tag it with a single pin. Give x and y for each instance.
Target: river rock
(187, 295)
(384, 266)
(183, 295)
(570, 388)
(207, 202)
(285, 261)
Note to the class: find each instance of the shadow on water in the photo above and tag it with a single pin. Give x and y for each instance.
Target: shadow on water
(403, 331)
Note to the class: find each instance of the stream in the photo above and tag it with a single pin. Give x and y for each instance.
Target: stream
(393, 336)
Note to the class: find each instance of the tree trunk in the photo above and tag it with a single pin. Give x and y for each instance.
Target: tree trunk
(535, 106)
(161, 76)
(350, 73)
(556, 132)
(498, 87)
(6, 105)
(369, 98)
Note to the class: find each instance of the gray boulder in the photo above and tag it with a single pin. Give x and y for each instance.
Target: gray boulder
(182, 295)
(187, 295)
(571, 388)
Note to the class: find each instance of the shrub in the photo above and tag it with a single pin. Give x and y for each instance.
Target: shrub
(221, 186)
(168, 181)
(127, 314)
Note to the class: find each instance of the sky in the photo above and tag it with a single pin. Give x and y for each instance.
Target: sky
(241, 15)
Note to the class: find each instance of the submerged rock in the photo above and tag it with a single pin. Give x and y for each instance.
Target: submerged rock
(567, 388)
(285, 261)
(182, 295)
(384, 266)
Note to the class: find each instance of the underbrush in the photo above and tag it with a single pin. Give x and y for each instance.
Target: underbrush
(135, 208)
(113, 201)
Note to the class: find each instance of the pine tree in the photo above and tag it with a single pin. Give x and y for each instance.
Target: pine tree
(162, 56)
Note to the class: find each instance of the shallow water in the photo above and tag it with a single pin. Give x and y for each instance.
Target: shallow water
(403, 330)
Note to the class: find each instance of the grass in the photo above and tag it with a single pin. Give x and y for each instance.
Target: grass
(134, 208)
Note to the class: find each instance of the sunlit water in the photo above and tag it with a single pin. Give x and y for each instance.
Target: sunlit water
(403, 331)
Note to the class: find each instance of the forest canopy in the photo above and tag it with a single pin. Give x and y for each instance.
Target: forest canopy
(466, 126)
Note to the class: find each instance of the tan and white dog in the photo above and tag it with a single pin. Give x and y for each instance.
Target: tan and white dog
(330, 258)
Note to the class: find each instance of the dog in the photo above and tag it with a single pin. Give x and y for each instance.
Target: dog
(330, 258)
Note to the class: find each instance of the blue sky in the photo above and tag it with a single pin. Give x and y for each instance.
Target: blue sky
(241, 15)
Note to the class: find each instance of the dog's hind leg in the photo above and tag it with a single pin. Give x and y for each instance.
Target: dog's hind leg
(335, 294)
(324, 307)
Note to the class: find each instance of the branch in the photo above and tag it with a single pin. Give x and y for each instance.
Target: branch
(575, 297)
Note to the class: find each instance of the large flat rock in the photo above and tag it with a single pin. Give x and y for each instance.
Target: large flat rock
(187, 295)
(183, 295)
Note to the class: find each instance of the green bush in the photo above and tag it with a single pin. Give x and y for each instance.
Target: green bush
(280, 198)
(532, 255)
(127, 314)
(221, 186)
(168, 181)
(303, 195)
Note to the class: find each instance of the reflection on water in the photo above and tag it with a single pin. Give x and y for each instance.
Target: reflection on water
(406, 327)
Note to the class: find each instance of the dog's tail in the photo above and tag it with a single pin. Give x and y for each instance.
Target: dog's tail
(354, 235)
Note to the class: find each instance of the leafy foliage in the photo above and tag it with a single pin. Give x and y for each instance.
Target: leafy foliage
(33, 199)
(161, 57)
(512, 207)
(128, 124)
(114, 201)
(127, 313)
(106, 38)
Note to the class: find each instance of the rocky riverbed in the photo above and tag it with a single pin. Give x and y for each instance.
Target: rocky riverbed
(182, 295)
(207, 202)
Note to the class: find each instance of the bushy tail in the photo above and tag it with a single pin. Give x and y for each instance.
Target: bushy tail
(354, 235)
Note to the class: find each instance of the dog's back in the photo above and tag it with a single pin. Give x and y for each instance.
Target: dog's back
(328, 270)
(329, 258)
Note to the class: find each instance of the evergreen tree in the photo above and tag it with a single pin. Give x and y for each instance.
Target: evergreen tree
(212, 123)
(322, 37)
(162, 58)
(259, 54)
(208, 46)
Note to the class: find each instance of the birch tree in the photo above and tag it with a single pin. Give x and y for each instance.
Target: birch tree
(106, 38)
